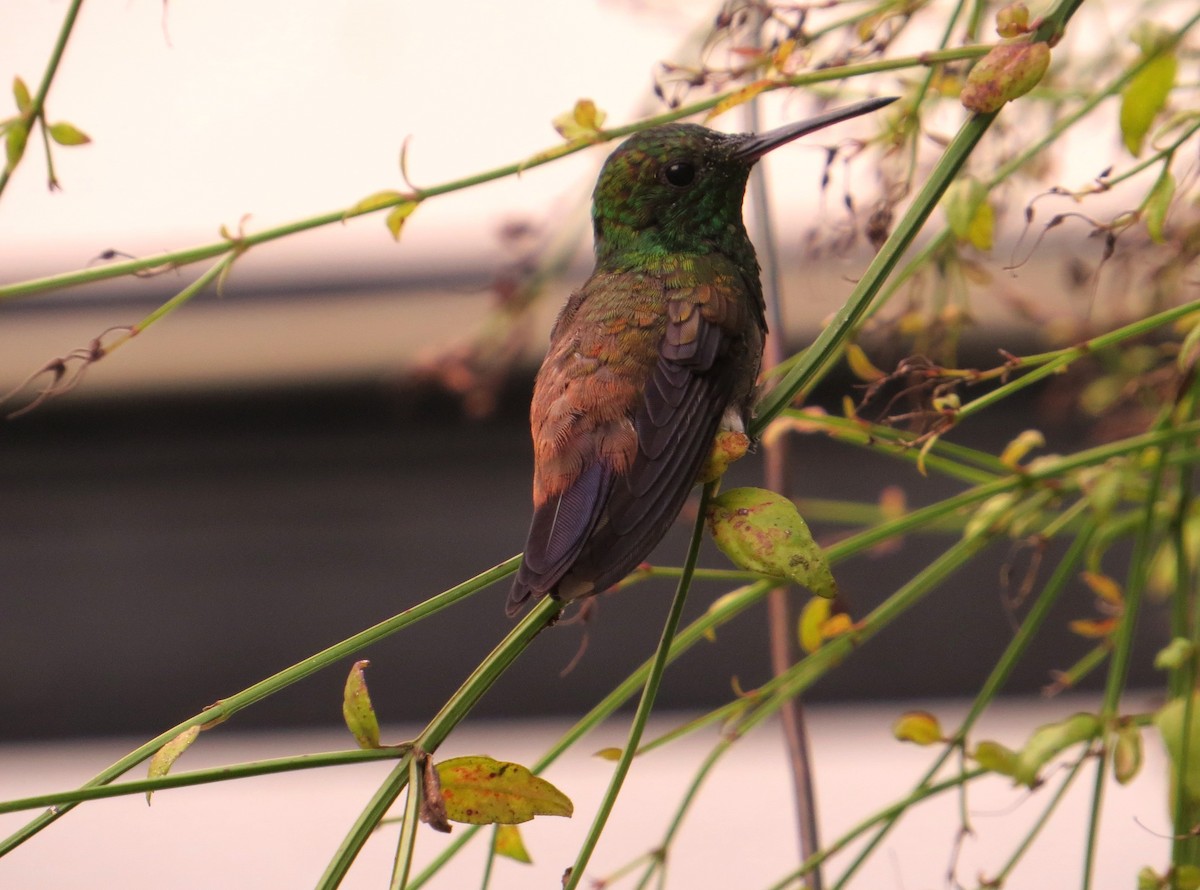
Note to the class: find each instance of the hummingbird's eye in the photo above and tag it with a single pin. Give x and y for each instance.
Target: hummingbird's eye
(679, 173)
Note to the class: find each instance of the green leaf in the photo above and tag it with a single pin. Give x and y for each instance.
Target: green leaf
(1157, 204)
(761, 531)
(480, 791)
(68, 134)
(164, 758)
(395, 219)
(14, 144)
(1143, 98)
(21, 94)
(357, 710)
(507, 842)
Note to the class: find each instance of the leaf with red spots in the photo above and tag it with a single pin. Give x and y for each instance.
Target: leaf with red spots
(481, 791)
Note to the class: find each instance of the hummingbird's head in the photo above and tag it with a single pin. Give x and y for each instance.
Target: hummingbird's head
(678, 188)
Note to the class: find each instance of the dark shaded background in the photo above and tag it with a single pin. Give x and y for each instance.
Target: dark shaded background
(162, 552)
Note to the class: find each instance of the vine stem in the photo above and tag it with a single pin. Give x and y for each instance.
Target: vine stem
(452, 713)
(829, 342)
(187, 256)
(227, 707)
(37, 107)
(646, 703)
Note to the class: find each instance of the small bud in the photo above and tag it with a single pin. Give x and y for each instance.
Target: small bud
(728, 446)
(1127, 754)
(1012, 20)
(1175, 654)
(995, 757)
(1007, 72)
(919, 727)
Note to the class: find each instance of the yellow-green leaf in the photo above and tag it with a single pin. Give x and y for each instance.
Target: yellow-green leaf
(1127, 753)
(507, 842)
(165, 757)
(968, 213)
(376, 201)
(762, 531)
(395, 219)
(812, 622)
(15, 138)
(1016, 450)
(1175, 654)
(738, 97)
(1157, 204)
(860, 365)
(1144, 97)
(68, 134)
(995, 757)
(480, 791)
(357, 710)
(581, 122)
(918, 727)
(21, 94)
(613, 754)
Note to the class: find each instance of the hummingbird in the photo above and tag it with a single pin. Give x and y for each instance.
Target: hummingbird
(656, 352)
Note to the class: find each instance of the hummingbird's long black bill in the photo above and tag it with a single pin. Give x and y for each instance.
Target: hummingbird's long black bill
(758, 144)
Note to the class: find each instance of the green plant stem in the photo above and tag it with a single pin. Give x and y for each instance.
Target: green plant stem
(833, 336)
(37, 108)
(947, 458)
(175, 259)
(887, 814)
(1091, 101)
(1043, 819)
(1064, 572)
(720, 613)
(451, 714)
(726, 608)
(1054, 362)
(200, 777)
(408, 828)
(227, 707)
(1122, 643)
(646, 704)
